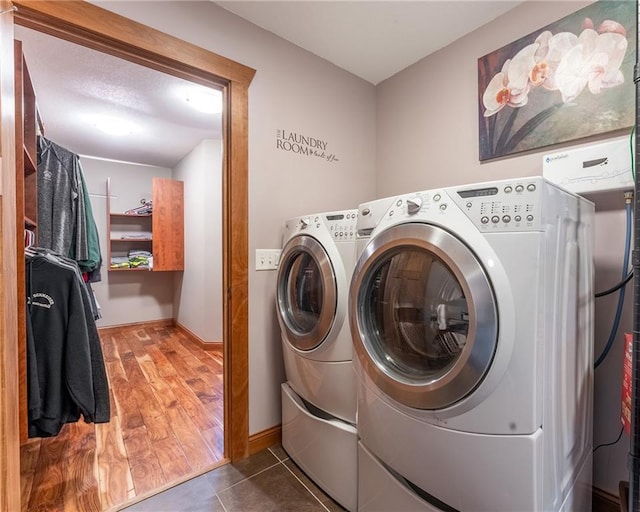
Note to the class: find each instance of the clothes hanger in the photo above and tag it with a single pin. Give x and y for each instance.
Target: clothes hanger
(58, 260)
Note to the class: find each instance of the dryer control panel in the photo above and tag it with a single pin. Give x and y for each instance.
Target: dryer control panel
(510, 205)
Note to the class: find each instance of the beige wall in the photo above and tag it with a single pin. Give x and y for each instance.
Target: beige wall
(293, 91)
(427, 115)
(197, 299)
(126, 297)
(427, 134)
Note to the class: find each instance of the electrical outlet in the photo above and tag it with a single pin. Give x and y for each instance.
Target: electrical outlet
(267, 259)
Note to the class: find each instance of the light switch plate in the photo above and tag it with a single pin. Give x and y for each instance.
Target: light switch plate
(267, 259)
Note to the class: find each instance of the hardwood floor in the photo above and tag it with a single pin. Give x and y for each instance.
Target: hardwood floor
(166, 424)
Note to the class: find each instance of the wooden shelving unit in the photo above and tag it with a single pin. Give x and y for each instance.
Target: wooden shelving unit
(166, 224)
(26, 208)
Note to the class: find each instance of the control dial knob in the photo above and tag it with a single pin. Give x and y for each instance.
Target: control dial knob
(413, 205)
(304, 223)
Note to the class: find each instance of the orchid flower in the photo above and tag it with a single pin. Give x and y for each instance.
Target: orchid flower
(613, 27)
(548, 56)
(609, 53)
(595, 61)
(511, 85)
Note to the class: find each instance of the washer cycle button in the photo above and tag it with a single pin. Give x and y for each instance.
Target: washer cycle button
(506, 219)
(517, 218)
(495, 219)
(529, 218)
(484, 220)
(519, 188)
(531, 187)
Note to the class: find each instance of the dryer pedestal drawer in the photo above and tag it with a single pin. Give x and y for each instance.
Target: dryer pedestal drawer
(325, 449)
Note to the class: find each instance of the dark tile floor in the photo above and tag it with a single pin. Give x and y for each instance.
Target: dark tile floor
(265, 482)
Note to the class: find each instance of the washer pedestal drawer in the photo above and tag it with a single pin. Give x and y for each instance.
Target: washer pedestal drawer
(380, 491)
(325, 449)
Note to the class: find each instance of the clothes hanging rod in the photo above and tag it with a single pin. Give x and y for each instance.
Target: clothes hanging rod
(13, 9)
(40, 123)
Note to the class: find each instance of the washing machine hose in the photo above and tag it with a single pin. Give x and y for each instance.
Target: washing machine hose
(633, 459)
(621, 293)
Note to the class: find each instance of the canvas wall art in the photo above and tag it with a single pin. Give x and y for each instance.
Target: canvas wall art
(568, 80)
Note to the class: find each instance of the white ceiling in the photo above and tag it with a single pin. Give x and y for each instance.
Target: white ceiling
(75, 85)
(371, 39)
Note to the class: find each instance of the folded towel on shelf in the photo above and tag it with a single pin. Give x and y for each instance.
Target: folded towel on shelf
(142, 235)
(139, 263)
(120, 262)
(137, 252)
(140, 258)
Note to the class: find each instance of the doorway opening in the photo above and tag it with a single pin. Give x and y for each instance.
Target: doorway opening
(121, 37)
(160, 289)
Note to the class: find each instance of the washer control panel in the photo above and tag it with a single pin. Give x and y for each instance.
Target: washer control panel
(410, 205)
(509, 205)
(340, 224)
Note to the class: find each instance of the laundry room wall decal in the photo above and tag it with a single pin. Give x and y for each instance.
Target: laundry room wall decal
(304, 145)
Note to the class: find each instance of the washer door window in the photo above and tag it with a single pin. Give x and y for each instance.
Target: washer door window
(306, 293)
(424, 315)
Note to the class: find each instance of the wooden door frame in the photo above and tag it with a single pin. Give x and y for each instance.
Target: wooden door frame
(86, 24)
(9, 429)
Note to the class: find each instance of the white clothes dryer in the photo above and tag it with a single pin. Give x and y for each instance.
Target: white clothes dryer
(471, 310)
(315, 268)
(319, 397)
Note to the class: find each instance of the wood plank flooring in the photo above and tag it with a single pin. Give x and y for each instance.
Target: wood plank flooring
(166, 424)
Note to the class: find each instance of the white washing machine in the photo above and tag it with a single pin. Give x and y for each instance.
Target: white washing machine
(319, 397)
(471, 310)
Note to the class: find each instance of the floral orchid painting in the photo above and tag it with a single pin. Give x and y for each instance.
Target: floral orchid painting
(571, 79)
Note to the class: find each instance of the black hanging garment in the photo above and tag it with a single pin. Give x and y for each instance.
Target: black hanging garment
(63, 347)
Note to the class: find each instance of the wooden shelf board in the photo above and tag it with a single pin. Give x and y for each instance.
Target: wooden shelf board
(134, 269)
(30, 223)
(125, 215)
(29, 164)
(132, 239)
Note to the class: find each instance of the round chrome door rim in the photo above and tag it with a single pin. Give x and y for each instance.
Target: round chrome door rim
(461, 378)
(308, 340)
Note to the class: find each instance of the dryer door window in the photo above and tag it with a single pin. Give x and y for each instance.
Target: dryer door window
(306, 293)
(425, 316)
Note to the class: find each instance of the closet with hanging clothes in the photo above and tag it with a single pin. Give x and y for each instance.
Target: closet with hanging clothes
(161, 326)
(62, 370)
